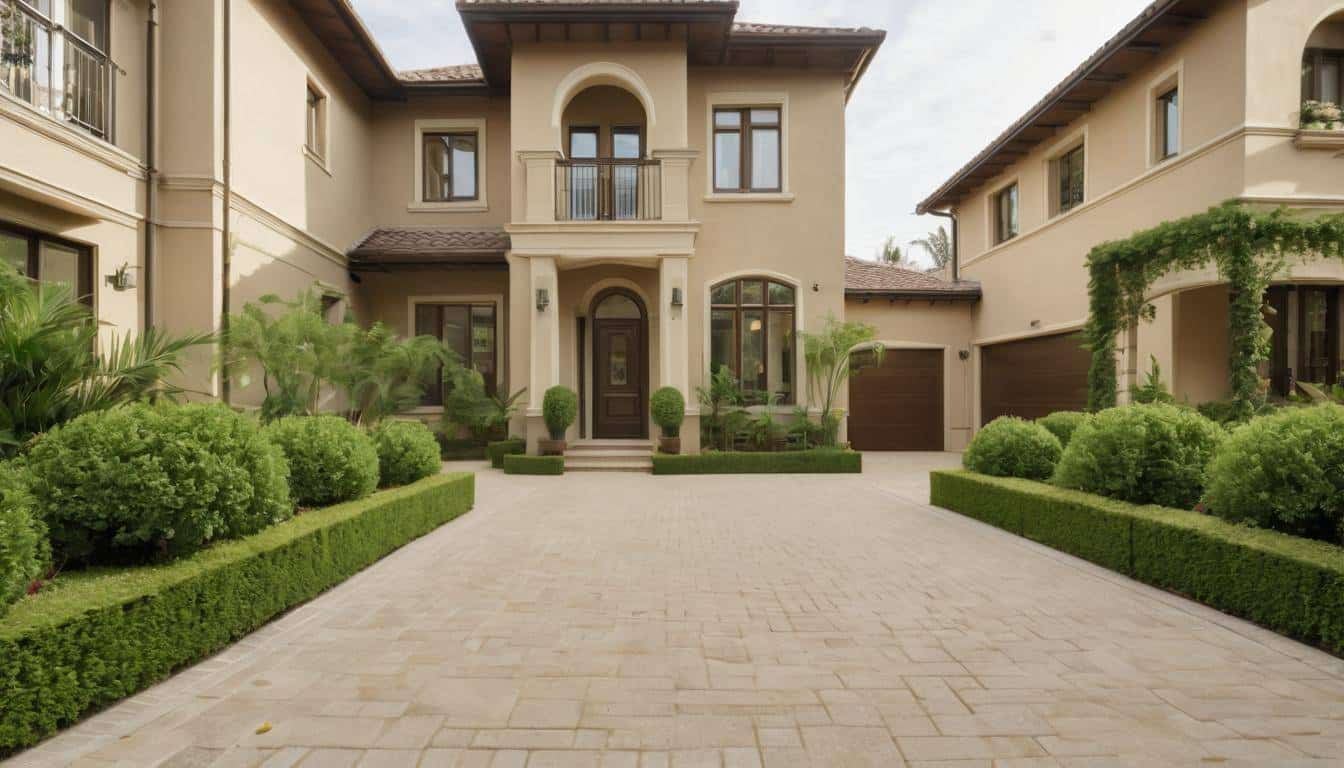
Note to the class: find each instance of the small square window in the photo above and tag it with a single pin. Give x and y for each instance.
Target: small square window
(450, 167)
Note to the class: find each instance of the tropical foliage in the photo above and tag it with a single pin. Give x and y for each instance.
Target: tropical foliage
(828, 355)
(717, 401)
(467, 405)
(938, 245)
(891, 253)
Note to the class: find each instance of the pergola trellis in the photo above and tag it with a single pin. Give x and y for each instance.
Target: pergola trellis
(1249, 247)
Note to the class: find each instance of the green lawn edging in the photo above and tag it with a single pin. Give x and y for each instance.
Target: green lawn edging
(497, 450)
(98, 636)
(1291, 585)
(817, 461)
(521, 464)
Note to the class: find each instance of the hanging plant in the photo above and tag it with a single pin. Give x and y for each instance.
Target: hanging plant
(16, 40)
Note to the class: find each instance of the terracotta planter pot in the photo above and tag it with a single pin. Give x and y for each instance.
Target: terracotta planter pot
(551, 447)
(669, 444)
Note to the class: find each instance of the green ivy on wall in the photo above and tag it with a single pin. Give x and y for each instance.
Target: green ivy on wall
(1249, 248)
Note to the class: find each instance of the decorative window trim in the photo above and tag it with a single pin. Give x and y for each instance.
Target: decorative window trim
(1059, 149)
(86, 289)
(448, 125)
(1171, 78)
(992, 212)
(799, 327)
(748, 99)
(320, 155)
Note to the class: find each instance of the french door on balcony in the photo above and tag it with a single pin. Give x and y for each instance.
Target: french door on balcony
(604, 187)
(54, 55)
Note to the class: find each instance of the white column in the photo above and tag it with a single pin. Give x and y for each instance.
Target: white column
(544, 344)
(539, 195)
(674, 340)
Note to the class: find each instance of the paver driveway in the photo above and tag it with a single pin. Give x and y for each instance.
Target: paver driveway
(733, 621)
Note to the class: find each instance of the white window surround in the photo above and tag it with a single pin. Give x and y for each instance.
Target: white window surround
(443, 125)
(1057, 150)
(321, 159)
(799, 326)
(497, 300)
(1173, 77)
(767, 99)
(992, 211)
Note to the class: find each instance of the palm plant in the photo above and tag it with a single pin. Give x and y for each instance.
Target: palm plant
(891, 253)
(51, 369)
(828, 355)
(938, 245)
(295, 348)
(382, 374)
(722, 394)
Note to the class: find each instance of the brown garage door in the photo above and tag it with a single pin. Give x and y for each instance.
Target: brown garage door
(898, 406)
(1033, 377)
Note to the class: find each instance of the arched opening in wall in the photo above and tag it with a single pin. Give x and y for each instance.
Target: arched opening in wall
(620, 365)
(606, 173)
(1323, 75)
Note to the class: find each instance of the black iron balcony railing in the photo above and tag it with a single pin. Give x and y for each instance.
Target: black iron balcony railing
(608, 189)
(52, 69)
(88, 87)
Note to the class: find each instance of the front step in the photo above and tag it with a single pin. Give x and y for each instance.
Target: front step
(609, 456)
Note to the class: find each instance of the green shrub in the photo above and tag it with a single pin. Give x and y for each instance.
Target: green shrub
(1284, 472)
(407, 451)
(1228, 412)
(330, 459)
(24, 554)
(559, 407)
(1291, 585)
(519, 464)
(1062, 424)
(142, 482)
(818, 461)
(1146, 454)
(496, 451)
(452, 448)
(98, 636)
(669, 409)
(1013, 447)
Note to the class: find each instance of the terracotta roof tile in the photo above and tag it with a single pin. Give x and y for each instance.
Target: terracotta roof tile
(863, 276)
(430, 241)
(750, 29)
(455, 73)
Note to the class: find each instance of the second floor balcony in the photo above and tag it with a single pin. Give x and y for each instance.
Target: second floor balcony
(53, 56)
(608, 189)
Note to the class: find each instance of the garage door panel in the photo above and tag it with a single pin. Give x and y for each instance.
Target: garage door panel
(898, 406)
(1033, 377)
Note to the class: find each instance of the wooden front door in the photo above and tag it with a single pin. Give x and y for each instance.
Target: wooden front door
(619, 369)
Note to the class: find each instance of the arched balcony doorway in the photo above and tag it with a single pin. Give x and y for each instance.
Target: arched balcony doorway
(605, 173)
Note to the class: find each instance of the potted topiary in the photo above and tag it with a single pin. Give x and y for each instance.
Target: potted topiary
(559, 406)
(669, 408)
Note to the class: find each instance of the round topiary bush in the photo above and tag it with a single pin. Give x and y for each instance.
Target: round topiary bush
(559, 408)
(1013, 447)
(330, 459)
(1062, 424)
(669, 409)
(142, 483)
(24, 554)
(1284, 471)
(1145, 454)
(407, 451)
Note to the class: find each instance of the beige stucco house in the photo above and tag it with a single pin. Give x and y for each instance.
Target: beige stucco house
(1193, 103)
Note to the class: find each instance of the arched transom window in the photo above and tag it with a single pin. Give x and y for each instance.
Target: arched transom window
(752, 334)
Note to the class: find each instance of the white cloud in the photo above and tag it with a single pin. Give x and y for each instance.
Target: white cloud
(950, 77)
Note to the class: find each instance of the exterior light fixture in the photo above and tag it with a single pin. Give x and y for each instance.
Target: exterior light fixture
(543, 299)
(964, 355)
(677, 299)
(1035, 323)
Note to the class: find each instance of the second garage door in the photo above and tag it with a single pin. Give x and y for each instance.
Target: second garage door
(898, 405)
(1033, 377)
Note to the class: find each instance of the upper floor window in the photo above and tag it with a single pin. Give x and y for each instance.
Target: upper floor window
(747, 150)
(1168, 127)
(315, 138)
(1321, 75)
(450, 167)
(752, 334)
(1068, 180)
(1005, 214)
(48, 259)
(54, 55)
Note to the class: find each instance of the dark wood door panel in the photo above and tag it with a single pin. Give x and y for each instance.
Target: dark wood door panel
(618, 379)
(1033, 377)
(898, 406)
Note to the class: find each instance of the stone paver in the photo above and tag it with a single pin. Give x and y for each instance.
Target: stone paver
(628, 620)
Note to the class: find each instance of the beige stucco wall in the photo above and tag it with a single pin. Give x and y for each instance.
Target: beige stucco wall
(920, 325)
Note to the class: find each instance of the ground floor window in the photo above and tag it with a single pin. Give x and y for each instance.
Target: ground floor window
(752, 323)
(48, 259)
(1306, 326)
(470, 330)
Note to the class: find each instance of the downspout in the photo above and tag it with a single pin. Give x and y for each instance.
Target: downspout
(151, 159)
(227, 256)
(956, 242)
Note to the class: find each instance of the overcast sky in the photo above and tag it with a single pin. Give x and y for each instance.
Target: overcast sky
(950, 77)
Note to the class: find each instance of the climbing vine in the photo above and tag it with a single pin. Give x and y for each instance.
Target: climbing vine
(1249, 248)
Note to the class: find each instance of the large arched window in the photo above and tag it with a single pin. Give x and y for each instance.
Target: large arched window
(751, 322)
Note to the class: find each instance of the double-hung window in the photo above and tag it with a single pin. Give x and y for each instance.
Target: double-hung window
(747, 150)
(54, 54)
(752, 335)
(1068, 174)
(1005, 214)
(468, 329)
(47, 259)
(450, 167)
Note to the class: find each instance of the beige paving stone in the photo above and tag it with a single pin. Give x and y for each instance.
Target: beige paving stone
(636, 621)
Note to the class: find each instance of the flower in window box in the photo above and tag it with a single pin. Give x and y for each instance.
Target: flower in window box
(1321, 116)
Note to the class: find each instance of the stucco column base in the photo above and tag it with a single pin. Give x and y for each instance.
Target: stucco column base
(536, 430)
(690, 433)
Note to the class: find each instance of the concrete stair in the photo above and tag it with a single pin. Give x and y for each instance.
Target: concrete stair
(609, 456)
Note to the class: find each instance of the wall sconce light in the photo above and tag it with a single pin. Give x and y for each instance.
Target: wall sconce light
(964, 355)
(543, 299)
(677, 299)
(816, 287)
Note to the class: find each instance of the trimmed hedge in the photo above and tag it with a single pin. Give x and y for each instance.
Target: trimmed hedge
(407, 451)
(1291, 585)
(459, 449)
(496, 451)
(330, 459)
(520, 464)
(24, 552)
(1012, 447)
(818, 461)
(95, 637)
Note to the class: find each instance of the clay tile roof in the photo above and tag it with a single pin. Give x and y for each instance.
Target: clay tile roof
(418, 243)
(456, 73)
(747, 29)
(863, 276)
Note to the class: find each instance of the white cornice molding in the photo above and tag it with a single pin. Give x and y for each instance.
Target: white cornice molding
(110, 155)
(33, 188)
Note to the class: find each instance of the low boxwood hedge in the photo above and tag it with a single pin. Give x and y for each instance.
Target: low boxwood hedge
(460, 449)
(519, 464)
(496, 451)
(1292, 585)
(93, 637)
(818, 461)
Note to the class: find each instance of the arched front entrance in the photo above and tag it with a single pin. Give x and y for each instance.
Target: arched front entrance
(620, 365)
